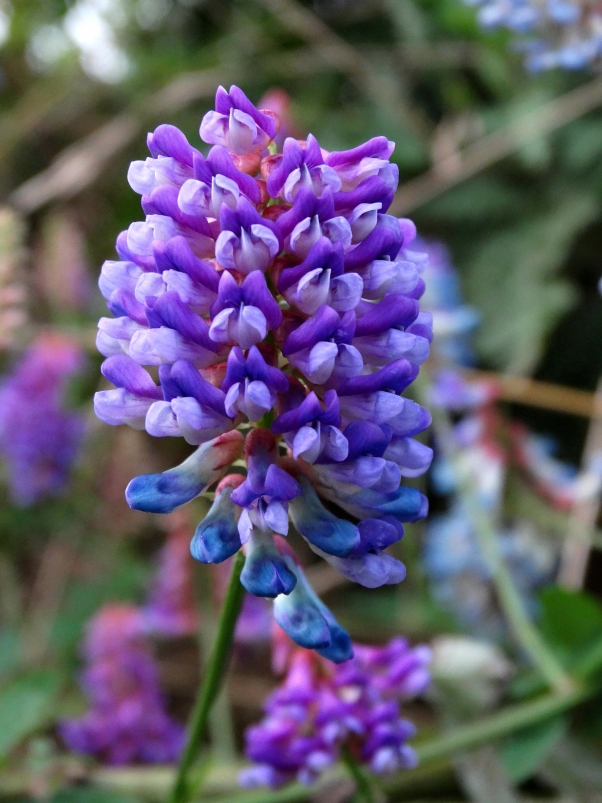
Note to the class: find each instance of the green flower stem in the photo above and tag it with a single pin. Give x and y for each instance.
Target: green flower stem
(511, 602)
(360, 777)
(508, 595)
(215, 672)
(509, 719)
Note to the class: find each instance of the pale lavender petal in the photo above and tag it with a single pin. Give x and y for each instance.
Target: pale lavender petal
(338, 230)
(149, 284)
(194, 197)
(345, 292)
(276, 517)
(118, 275)
(213, 128)
(225, 244)
(249, 327)
(257, 400)
(413, 457)
(305, 235)
(219, 331)
(161, 421)
(232, 401)
(306, 444)
(163, 345)
(362, 220)
(119, 406)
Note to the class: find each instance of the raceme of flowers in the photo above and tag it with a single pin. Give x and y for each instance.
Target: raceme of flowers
(39, 437)
(553, 33)
(127, 722)
(320, 708)
(272, 289)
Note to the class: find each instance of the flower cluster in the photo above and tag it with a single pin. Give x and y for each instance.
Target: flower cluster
(321, 708)
(127, 722)
(39, 438)
(272, 288)
(554, 33)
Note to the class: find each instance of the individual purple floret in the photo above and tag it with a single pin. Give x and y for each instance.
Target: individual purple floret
(276, 304)
(127, 722)
(321, 708)
(237, 124)
(39, 437)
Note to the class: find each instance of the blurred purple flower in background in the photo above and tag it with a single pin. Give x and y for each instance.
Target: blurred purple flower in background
(554, 33)
(39, 437)
(321, 708)
(127, 722)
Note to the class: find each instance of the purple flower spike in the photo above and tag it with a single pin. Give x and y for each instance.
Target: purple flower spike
(39, 438)
(279, 304)
(127, 722)
(243, 314)
(237, 124)
(302, 167)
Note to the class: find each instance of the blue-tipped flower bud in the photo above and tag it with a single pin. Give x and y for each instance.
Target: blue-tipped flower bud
(216, 537)
(309, 622)
(162, 493)
(321, 527)
(266, 573)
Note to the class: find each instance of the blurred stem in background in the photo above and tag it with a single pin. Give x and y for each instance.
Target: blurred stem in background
(215, 673)
(509, 598)
(584, 515)
(362, 779)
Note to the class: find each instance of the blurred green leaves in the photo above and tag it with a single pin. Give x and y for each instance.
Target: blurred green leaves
(26, 705)
(513, 280)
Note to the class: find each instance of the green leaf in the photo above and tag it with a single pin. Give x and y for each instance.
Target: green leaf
(570, 620)
(476, 202)
(525, 750)
(26, 705)
(513, 281)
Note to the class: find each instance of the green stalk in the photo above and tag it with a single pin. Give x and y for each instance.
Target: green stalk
(526, 634)
(511, 602)
(360, 777)
(217, 667)
(509, 719)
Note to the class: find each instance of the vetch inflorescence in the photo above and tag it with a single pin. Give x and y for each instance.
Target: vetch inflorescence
(268, 307)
